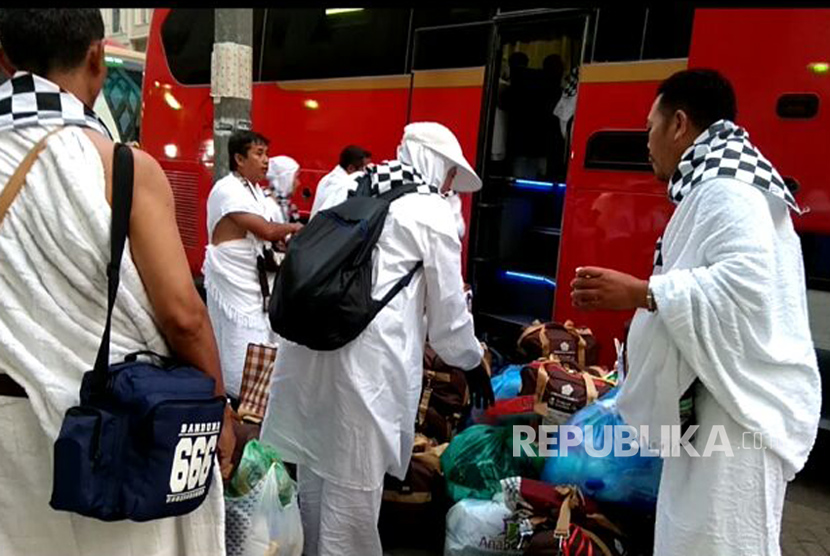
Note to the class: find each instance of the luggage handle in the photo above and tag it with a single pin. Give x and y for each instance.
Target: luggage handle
(168, 362)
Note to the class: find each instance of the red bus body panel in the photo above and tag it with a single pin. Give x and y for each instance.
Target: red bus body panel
(611, 218)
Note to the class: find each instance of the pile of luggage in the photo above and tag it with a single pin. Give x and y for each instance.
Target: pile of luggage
(472, 490)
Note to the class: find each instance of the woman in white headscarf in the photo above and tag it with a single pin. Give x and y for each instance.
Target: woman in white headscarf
(283, 177)
(346, 417)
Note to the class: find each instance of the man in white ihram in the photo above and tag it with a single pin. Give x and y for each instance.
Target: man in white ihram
(724, 315)
(347, 417)
(336, 184)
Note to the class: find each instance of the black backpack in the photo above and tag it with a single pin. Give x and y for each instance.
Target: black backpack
(322, 296)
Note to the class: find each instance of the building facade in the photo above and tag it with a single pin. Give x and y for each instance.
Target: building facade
(128, 26)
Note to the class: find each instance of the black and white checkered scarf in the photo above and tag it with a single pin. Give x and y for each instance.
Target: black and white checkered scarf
(570, 82)
(28, 100)
(394, 173)
(724, 151)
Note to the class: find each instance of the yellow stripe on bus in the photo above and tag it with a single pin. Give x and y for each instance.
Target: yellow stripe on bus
(427, 79)
(620, 72)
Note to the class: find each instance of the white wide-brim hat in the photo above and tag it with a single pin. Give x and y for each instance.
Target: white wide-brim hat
(441, 140)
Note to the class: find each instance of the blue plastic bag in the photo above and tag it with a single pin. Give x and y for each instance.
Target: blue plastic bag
(508, 382)
(629, 481)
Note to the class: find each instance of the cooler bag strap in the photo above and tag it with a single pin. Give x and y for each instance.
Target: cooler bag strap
(581, 344)
(17, 180)
(540, 406)
(122, 202)
(535, 327)
(425, 396)
(590, 388)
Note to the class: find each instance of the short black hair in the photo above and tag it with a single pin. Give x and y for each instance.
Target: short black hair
(241, 141)
(704, 95)
(353, 155)
(42, 40)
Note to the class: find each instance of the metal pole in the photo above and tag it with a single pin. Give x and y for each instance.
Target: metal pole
(231, 111)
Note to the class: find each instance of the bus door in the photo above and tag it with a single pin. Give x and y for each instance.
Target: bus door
(778, 63)
(523, 160)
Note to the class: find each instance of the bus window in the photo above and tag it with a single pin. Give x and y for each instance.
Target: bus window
(318, 43)
(435, 17)
(668, 32)
(459, 46)
(618, 150)
(630, 34)
(187, 36)
(619, 34)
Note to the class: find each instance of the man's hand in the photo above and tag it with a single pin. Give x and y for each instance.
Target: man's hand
(481, 390)
(227, 443)
(285, 231)
(597, 288)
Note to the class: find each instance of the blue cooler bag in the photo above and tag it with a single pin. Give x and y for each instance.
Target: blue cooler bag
(142, 442)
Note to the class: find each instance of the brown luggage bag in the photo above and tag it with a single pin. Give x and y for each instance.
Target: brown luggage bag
(570, 344)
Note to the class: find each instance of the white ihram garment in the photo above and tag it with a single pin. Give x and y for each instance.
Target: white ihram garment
(349, 414)
(333, 189)
(54, 249)
(732, 312)
(234, 298)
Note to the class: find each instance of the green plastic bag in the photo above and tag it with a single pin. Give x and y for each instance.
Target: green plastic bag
(257, 459)
(480, 457)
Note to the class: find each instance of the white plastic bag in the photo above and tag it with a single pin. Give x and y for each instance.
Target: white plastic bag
(480, 528)
(258, 525)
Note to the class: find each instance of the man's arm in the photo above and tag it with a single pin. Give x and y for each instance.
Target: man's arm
(451, 330)
(159, 257)
(257, 225)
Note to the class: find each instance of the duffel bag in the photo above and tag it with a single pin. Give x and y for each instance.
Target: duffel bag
(560, 521)
(561, 391)
(445, 399)
(420, 498)
(569, 343)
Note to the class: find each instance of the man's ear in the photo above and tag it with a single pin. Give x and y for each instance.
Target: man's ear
(95, 58)
(682, 124)
(5, 64)
(239, 159)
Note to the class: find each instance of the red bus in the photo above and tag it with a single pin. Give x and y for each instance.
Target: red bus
(325, 78)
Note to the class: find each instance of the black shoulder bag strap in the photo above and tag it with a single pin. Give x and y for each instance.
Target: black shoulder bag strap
(122, 202)
(391, 196)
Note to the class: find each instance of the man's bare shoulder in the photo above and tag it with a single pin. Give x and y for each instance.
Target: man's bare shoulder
(148, 171)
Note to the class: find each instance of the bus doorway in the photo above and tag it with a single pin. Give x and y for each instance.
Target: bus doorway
(524, 160)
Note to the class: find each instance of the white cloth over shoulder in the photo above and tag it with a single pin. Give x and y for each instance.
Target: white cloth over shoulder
(234, 298)
(333, 189)
(349, 414)
(732, 312)
(54, 249)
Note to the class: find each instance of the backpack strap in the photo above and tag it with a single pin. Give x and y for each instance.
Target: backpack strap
(17, 180)
(122, 202)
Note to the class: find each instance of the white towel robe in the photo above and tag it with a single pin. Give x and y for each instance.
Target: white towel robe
(234, 297)
(349, 414)
(732, 311)
(54, 248)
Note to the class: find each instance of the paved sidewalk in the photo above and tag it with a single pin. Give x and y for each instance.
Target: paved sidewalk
(806, 527)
